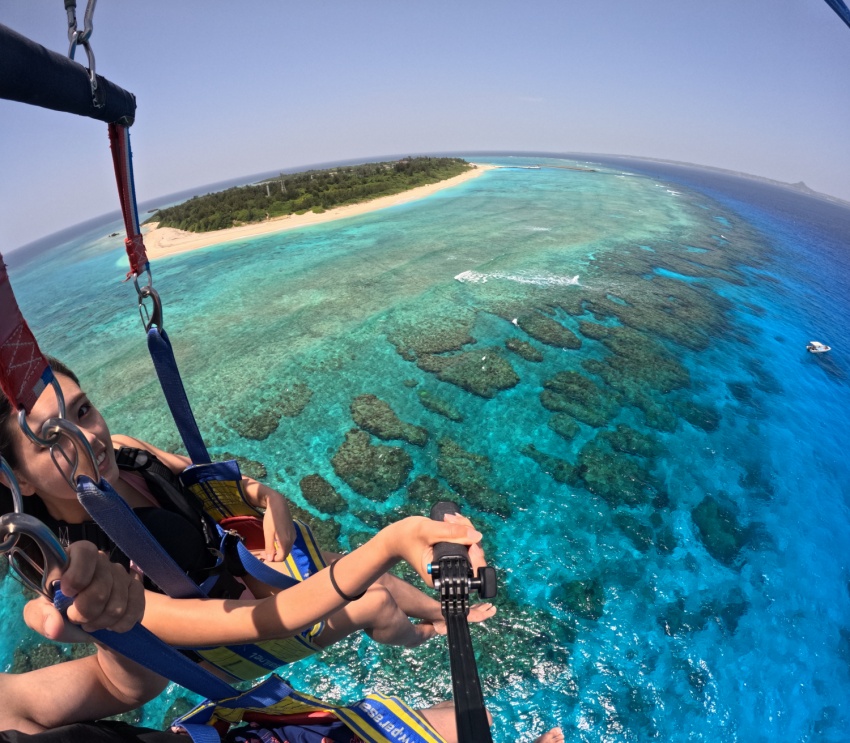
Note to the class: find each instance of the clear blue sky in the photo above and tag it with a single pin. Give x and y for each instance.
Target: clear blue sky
(231, 89)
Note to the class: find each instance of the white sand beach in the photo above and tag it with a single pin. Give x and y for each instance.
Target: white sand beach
(165, 241)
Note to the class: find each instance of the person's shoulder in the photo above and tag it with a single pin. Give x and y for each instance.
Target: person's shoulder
(120, 439)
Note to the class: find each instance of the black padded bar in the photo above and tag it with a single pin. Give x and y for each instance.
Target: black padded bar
(31, 74)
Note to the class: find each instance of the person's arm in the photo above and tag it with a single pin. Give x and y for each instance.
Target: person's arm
(100, 685)
(204, 622)
(105, 596)
(277, 521)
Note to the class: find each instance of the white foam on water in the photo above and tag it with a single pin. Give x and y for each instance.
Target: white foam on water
(540, 229)
(475, 277)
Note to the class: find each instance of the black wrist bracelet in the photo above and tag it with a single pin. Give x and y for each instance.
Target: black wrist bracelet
(342, 594)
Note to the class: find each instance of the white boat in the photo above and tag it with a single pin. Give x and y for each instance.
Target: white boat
(817, 347)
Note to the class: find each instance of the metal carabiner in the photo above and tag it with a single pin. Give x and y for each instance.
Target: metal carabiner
(25, 427)
(75, 36)
(71, 10)
(97, 99)
(58, 428)
(33, 552)
(81, 38)
(154, 318)
(14, 487)
(135, 277)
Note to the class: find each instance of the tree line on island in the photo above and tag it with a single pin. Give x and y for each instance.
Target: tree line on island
(312, 190)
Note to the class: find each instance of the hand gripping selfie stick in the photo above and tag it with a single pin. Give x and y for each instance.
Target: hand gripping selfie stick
(454, 579)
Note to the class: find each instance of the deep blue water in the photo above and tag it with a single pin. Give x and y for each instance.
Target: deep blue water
(622, 619)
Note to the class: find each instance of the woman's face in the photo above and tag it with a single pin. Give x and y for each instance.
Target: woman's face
(37, 473)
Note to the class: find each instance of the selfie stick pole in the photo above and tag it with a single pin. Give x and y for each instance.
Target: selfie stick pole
(453, 578)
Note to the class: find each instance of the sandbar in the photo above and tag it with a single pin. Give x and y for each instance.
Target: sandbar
(164, 241)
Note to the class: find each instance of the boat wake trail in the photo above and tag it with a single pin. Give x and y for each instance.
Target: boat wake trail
(475, 277)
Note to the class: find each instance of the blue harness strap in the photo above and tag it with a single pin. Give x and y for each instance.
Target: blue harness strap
(841, 9)
(123, 527)
(305, 558)
(256, 568)
(175, 394)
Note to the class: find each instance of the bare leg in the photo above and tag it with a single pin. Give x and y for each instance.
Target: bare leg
(555, 735)
(378, 614)
(442, 717)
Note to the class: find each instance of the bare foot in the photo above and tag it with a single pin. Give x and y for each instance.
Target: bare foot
(555, 735)
(477, 613)
(480, 612)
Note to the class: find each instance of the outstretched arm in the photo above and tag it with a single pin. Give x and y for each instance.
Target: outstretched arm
(105, 596)
(204, 622)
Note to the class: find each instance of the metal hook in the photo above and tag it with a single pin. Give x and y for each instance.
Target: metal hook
(150, 319)
(57, 428)
(14, 487)
(71, 10)
(96, 93)
(135, 277)
(41, 575)
(25, 427)
(76, 36)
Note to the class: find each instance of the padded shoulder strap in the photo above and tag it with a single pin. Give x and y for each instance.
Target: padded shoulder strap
(167, 488)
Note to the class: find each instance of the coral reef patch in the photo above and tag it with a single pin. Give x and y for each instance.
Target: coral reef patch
(377, 417)
(438, 405)
(260, 420)
(466, 473)
(320, 494)
(373, 471)
(573, 393)
(524, 349)
(483, 372)
(719, 530)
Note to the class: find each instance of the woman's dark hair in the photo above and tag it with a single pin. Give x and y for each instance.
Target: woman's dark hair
(8, 422)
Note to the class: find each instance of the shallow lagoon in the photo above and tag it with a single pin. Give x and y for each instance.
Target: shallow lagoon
(647, 447)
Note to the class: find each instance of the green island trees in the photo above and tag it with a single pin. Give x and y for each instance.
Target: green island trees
(316, 190)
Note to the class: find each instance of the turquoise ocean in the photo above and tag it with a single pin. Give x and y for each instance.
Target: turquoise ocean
(608, 359)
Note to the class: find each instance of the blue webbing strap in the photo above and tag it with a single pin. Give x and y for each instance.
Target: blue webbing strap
(202, 733)
(130, 535)
(111, 512)
(839, 7)
(305, 554)
(146, 649)
(175, 394)
(256, 568)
